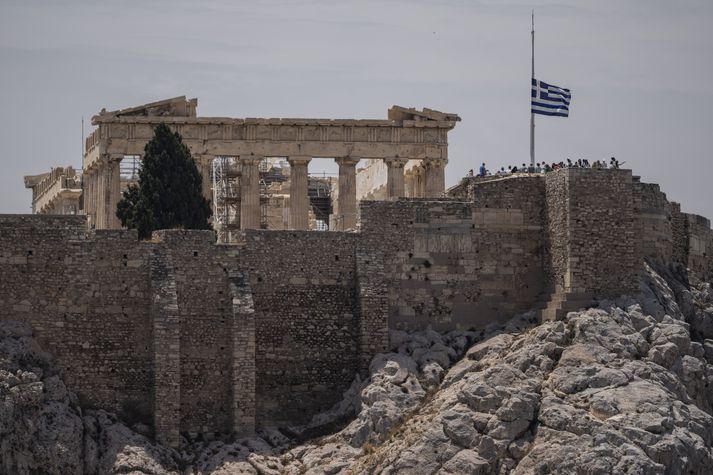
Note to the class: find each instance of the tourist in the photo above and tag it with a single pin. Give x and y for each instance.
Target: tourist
(482, 170)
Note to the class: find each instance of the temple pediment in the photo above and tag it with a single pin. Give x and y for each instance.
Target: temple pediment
(174, 107)
(411, 113)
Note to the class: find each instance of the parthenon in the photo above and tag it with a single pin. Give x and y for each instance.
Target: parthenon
(407, 139)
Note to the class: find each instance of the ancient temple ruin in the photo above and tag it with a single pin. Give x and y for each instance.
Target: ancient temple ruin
(56, 192)
(231, 153)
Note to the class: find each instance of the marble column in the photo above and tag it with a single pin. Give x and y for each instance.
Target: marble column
(346, 200)
(99, 196)
(112, 191)
(87, 193)
(435, 178)
(299, 200)
(395, 177)
(409, 179)
(419, 182)
(94, 198)
(250, 192)
(205, 165)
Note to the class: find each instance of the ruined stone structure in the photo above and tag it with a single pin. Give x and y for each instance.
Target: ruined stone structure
(56, 192)
(206, 337)
(407, 134)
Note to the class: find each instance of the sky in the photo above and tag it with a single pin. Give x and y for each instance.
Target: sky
(640, 72)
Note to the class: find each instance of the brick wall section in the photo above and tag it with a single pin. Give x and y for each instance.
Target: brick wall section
(243, 348)
(87, 297)
(557, 230)
(205, 309)
(679, 231)
(453, 264)
(372, 302)
(700, 245)
(304, 292)
(599, 236)
(655, 222)
(166, 349)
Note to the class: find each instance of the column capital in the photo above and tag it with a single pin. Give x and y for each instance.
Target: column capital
(251, 159)
(347, 161)
(434, 163)
(297, 160)
(113, 157)
(396, 162)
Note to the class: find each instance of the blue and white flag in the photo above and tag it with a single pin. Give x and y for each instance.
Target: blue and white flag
(550, 100)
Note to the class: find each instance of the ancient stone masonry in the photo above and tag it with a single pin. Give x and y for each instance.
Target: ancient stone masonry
(453, 264)
(56, 192)
(204, 337)
(668, 235)
(407, 134)
(592, 228)
(306, 323)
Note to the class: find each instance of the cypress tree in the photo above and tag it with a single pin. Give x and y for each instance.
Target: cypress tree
(168, 194)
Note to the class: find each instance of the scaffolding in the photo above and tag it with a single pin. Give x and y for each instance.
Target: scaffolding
(226, 175)
(226, 197)
(129, 167)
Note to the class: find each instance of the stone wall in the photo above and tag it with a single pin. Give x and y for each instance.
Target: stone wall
(204, 315)
(454, 264)
(303, 288)
(220, 338)
(700, 245)
(86, 296)
(669, 236)
(592, 231)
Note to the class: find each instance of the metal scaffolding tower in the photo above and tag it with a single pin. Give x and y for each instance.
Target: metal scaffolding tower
(226, 197)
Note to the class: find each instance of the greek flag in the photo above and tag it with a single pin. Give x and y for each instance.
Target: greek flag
(550, 100)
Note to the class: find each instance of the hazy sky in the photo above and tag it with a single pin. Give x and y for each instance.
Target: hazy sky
(640, 73)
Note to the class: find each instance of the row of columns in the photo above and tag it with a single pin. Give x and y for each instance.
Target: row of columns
(102, 185)
(426, 180)
(102, 192)
(431, 184)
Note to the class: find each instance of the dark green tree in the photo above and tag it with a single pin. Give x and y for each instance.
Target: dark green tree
(168, 194)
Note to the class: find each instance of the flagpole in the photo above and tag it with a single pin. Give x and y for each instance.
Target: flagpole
(532, 115)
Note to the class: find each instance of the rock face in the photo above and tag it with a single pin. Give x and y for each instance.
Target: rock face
(43, 430)
(614, 389)
(621, 388)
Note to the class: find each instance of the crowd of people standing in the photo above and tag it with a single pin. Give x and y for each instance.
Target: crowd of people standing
(546, 167)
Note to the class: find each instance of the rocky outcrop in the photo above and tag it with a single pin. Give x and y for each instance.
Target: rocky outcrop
(44, 430)
(621, 388)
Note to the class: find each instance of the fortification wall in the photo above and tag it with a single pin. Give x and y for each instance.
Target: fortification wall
(669, 236)
(307, 338)
(700, 245)
(219, 338)
(204, 307)
(87, 297)
(454, 264)
(655, 215)
(592, 231)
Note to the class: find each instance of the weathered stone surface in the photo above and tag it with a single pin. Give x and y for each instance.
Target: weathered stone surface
(43, 430)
